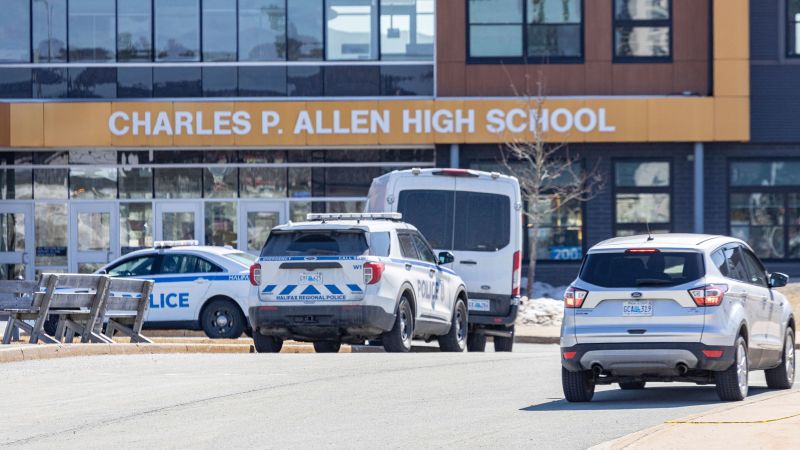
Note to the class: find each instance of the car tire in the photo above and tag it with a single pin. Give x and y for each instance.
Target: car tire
(732, 382)
(476, 342)
(505, 344)
(398, 339)
(632, 386)
(248, 331)
(327, 346)
(578, 386)
(456, 339)
(267, 344)
(782, 377)
(222, 319)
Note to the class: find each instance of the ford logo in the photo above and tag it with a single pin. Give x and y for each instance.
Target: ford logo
(636, 294)
(310, 258)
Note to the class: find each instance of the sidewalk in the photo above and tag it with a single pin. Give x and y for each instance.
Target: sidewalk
(768, 421)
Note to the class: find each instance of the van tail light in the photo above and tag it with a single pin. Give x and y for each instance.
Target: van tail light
(373, 272)
(516, 275)
(709, 295)
(574, 297)
(255, 274)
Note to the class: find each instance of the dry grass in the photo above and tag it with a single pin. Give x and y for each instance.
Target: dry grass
(792, 293)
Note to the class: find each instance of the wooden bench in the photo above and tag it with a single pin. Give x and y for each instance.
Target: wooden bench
(15, 295)
(125, 308)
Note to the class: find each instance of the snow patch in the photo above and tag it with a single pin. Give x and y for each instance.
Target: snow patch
(546, 308)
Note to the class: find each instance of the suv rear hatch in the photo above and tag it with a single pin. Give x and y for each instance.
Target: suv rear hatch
(309, 265)
(638, 295)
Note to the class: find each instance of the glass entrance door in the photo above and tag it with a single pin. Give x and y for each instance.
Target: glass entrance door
(16, 241)
(256, 220)
(94, 235)
(177, 221)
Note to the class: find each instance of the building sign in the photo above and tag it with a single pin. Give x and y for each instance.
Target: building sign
(363, 122)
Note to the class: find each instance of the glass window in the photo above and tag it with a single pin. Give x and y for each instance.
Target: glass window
(617, 270)
(134, 82)
(299, 182)
(219, 30)
(424, 252)
(15, 184)
(784, 172)
(12, 232)
(758, 219)
(718, 257)
(304, 81)
(343, 81)
(495, 28)
(220, 180)
(793, 27)
(92, 30)
(177, 32)
(262, 182)
(135, 182)
(643, 197)
(351, 31)
(482, 222)
(560, 235)
(50, 31)
(134, 267)
(178, 182)
(93, 183)
(380, 244)
(555, 28)
(15, 31)
(299, 209)
(92, 82)
(135, 226)
(221, 221)
(51, 234)
(50, 83)
(262, 81)
(259, 225)
(134, 31)
(16, 82)
(219, 81)
(407, 80)
(407, 29)
(350, 182)
(315, 243)
(262, 30)
(757, 274)
(407, 247)
(642, 29)
(173, 264)
(50, 183)
(305, 29)
(177, 82)
(431, 212)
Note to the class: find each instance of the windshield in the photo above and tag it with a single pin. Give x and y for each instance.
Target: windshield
(315, 243)
(633, 270)
(245, 259)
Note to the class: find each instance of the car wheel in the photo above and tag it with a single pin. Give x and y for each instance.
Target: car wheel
(327, 346)
(732, 382)
(267, 344)
(782, 377)
(222, 319)
(456, 339)
(632, 386)
(504, 344)
(398, 339)
(578, 386)
(476, 342)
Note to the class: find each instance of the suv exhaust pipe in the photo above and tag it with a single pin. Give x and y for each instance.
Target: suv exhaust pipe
(682, 369)
(597, 369)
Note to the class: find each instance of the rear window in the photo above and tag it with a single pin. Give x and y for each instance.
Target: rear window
(315, 243)
(466, 221)
(616, 270)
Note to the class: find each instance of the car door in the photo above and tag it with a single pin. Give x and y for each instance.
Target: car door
(416, 272)
(748, 294)
(433, 286)
(181, 283)
(762, 297)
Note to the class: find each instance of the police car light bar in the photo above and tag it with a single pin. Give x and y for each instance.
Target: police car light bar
(170, 244)
(313, 217)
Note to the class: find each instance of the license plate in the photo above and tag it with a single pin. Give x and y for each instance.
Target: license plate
(637, 309)
(480, 305)
(311, 278)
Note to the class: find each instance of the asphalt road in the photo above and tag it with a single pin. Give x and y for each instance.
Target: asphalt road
(306, 400)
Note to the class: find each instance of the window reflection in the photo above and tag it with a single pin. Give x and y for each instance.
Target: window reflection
(220, 180)
(134, 82)
(134, 34)
(50, 183)
(15, 31)
(219, 30)
(51, 234)
(262, 81)
(135, 182)
(351, 29)
(50, 83)
(263, 182)
(305, 30)
(92, 30)
(49, 31)
(221, 223)
(407, 29)
(262, 30)
(15, 183)
(177, 32)
(92, 82)
(177, 82)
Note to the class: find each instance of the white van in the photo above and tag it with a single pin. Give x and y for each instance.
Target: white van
(476, 216)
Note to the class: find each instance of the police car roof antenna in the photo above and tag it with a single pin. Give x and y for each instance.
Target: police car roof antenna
(649, 234)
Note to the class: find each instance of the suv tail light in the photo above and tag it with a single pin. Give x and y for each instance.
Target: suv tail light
(709, 295)
(373, 272)
(574, 297)
(516, 275)
(255, 274)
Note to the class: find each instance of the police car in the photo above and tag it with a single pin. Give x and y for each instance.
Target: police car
(196, 287)
(347, 278)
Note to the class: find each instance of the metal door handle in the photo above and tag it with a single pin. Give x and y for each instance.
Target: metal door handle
(432, 272)
(200, 280)
(408, 266)
(469, 262)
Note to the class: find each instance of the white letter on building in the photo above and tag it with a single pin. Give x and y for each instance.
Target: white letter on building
(380, 119)
(162, 124)
(200, 130)
(604, 128)
(269, 119)
(494, 121)
(303, 124)
(359, 119)
(583, 126)
(112, 123)
(139, 123)
(241, 123)
(513, 127)
(469, 121)
(183, 119)
(568, 120)
(222, 123)
(408, 121)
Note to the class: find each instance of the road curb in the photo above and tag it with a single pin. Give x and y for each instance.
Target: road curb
(537, 339)
(28, 352)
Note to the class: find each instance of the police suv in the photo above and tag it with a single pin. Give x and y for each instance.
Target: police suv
(347, 278)
(196, 287)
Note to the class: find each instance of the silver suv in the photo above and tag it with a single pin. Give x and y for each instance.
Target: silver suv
(675, 307)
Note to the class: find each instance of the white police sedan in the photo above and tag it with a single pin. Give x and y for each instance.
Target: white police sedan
(196, 287)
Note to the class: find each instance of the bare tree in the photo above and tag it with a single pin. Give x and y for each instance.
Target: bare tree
(549, 177)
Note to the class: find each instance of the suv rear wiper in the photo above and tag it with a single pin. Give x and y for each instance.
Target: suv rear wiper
(652, 281)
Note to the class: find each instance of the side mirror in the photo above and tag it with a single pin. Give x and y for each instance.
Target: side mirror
(102, 272)
(777, 279)
(446, 258)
